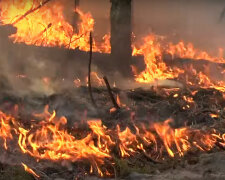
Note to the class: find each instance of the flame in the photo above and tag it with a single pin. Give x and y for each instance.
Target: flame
(96, 80)
(127, 140)
(163, 137)
(43, 24)
(156, 69)
(48, 139)
(203, 81)
(153, 50)
(5, 128)
(52, 142)
(29, 170)
(189, 51)
(188, 99)
(47, 26)
(77, 82)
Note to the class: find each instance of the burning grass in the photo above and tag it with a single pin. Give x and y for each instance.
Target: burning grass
(147, 133)
(107, 150)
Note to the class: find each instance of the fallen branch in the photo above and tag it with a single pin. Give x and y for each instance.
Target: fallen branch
(151, 159)
(110, 93)
(30, 11)
(89, 72)
(42, 32)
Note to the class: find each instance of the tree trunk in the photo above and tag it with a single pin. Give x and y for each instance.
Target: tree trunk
(76, 16)
(121, 34)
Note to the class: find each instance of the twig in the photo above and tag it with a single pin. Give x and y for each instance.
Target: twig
(30, 11)
(89, 72)
(151, 159)
(110, 93)
(42, 32)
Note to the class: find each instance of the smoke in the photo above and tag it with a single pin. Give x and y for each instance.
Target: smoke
(24, 71)
(195, 21)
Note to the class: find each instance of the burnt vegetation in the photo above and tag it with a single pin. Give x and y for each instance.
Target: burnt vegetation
(164, 119)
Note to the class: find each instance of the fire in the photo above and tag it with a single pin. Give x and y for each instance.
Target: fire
(153, 50)
(204, 81)
(127, 141)
(48, 139)
(189, 51)
(42, 23)
(5, 128)
(29, 170)
(162, 137)
(52, 142)
(188, 99)
(214, 115)
(156, 69)
(96, 80)
(47, 26)
(77, 82)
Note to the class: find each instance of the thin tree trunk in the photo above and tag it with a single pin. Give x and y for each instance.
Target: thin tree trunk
(121, 34)
(76, 16)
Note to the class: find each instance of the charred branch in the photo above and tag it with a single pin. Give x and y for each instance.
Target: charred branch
(89, 72)
(110, 93)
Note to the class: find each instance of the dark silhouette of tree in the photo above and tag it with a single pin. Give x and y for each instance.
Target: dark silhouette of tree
(120, 17)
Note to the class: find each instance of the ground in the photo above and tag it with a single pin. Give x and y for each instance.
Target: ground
(147, 105)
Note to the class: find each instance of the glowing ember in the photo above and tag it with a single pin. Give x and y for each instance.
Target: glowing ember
(29, 170)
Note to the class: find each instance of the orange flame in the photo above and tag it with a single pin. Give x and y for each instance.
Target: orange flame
(46, 26)
(153, 50)
(155, 67)
(29, 170)
(189, 51)
(49, 140)
(5, 128)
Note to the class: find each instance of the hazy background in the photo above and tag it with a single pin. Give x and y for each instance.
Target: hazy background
(196, 21)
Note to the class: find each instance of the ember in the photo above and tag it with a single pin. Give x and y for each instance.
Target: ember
(30, 170)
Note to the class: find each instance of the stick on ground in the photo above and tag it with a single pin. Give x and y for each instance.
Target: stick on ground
(89, 72)
(110, 93)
